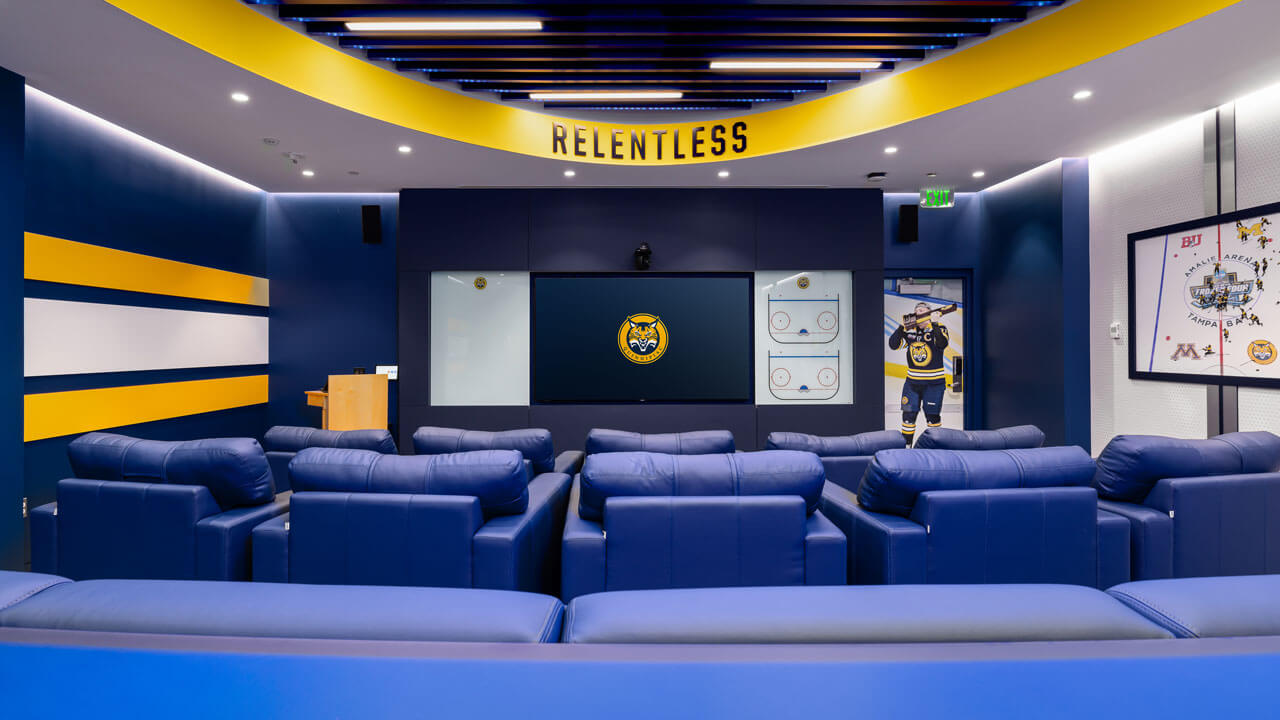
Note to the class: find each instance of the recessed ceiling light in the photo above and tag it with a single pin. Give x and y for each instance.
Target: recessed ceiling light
(405, 149)
(931, 174)
(1082, 95)
(891, 150)
(979, 173)
(608, 95)
(240, 97)
(723, 173)
(876, 176)
(569, 173)
(308, 173)
(445, 25)
(794, 65)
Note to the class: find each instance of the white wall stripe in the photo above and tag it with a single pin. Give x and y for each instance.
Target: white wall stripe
(69, 338)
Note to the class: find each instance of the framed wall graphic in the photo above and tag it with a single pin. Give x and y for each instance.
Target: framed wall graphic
(1204, 300)
(479, 338)
(804, 339)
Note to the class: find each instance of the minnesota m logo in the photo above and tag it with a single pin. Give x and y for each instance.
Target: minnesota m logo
(1186, 350)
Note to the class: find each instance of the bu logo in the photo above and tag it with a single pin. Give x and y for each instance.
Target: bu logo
(1191, 240)
(1186, 350)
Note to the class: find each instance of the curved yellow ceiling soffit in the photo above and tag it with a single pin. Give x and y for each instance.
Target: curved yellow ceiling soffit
(1068, 37)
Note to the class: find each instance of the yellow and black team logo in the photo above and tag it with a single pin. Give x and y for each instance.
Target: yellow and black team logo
(642, 338)
(802, 282)
(920, 353)
(905, 400)
(480, 282)
(1262, 352)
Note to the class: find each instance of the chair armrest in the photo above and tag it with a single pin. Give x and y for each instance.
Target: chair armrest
(570, 462)
(222, 541)
(582, 568)
(270, 545)
(516, 552)
(1113, 549)
(846, 471)
(1222, 524)
(825, 551)
(883, 549)
(1150, 539)
(44, 539)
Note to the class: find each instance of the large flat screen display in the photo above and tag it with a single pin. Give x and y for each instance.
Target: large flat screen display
(641, 338)
(1204, 300)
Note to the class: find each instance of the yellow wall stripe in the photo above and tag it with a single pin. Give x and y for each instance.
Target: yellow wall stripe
(75, 263)
(1068, 37)
(76, 411)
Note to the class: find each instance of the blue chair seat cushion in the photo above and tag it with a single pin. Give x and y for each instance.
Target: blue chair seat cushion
(855, 614)
(235, 470)
(534, 443)
(496, 477)
(291, 438)
(867, 443)
(1010, 438)
(1238, 606)
(1131, 465)
(768, 472)
(895, 478)
(16, 587)
(346, 612)
(697, 442)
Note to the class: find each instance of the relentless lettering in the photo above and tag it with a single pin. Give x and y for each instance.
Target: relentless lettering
(725, 139)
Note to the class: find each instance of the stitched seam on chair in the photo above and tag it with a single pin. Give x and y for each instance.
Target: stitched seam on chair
(1135, 603)
(546, 625)
(164, 464)
(42, 588)
(368, 473)
(124, 453)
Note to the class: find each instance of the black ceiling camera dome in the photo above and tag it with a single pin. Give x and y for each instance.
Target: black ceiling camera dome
(642, 256)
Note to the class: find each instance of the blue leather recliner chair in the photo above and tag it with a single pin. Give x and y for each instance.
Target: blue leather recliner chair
(640, 520)
(697, 442)
(988, 516)
(845, 457)
(1196, 507)
(470, 519)
(154, 509)
(1010, 438)
(533, 443)
(282, 442)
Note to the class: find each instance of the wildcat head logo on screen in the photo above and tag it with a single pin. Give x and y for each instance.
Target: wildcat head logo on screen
(642, 338)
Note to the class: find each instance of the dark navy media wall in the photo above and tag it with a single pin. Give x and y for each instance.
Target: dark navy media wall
(11, 152)
(595, 231)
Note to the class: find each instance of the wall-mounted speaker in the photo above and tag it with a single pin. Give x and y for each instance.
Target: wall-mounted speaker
(908, 223)
(371, 223)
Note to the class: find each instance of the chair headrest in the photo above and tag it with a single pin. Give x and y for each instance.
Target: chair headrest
(235, 470)
(291, 438)
(768, 472)
(837, 445)
(1010, 438)
(698, 442)
(496, 477)
(895, 478)
(533, 443)
(1130, 465)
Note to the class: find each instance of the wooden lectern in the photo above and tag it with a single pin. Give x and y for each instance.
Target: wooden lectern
(353, 402)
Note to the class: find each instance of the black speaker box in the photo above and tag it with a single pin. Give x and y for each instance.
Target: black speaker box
(371, 223)
(908, 223)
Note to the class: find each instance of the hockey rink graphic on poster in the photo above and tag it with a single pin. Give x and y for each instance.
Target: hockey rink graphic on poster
(804, 376)
(803, 345)
(804, 320)
(1202, 305)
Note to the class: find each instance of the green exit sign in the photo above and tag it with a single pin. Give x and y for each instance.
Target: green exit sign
(937, 198)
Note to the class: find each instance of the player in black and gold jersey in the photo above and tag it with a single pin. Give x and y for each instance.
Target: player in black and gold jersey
(926, 377)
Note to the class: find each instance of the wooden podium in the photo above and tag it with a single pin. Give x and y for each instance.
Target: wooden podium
(353, 402)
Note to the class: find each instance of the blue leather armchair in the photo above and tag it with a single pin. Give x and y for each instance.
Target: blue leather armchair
(698, 442)
(1010, 438)
(1196, 507)
(994, 516)
(470, 519)
(157, 510)
(845, 457)
(282, 442)
(533, 443)
(641, 520)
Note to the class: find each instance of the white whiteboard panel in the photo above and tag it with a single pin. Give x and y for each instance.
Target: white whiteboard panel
(479, 338)
(62, 337)
(804, 337)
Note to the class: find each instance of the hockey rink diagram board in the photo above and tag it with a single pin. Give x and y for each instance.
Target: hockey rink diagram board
(1202, 304)
(804, 347)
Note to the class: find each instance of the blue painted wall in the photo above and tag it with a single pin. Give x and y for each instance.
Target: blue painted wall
(333, 297)
(11, 151)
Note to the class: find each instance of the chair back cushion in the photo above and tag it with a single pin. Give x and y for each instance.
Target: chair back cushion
(769, 472)
(291, 438)
(1010, 438)
(895, 478)
(235, 470)
(1130, 465)
(867, 443)
(496, 477)
(678, 542)
(698, 442)
(533, 443)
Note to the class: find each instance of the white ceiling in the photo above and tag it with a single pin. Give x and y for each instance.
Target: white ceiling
(90, 54)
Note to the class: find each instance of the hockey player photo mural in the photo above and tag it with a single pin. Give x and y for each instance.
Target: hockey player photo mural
(925, 338)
